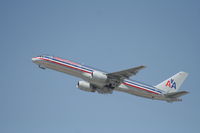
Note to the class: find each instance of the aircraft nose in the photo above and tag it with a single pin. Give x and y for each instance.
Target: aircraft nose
(34, 59)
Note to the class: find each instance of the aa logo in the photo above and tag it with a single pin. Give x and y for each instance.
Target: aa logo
(171, 83)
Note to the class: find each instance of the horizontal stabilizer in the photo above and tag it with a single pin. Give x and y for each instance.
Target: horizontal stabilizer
(176, 94)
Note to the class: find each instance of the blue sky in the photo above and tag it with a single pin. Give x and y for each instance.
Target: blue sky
(109, 35)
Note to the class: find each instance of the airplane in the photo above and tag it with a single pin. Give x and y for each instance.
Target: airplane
(94, 80)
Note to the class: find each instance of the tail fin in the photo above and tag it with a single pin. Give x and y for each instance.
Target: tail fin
(173, 83)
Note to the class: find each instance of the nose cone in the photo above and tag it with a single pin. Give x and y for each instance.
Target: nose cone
(35, 59)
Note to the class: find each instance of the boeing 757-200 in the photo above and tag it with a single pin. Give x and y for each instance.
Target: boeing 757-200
(101, 82)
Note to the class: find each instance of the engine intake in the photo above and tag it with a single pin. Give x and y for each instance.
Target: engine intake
(85, 86)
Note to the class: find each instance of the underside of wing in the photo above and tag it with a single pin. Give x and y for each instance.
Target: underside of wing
(125, 74)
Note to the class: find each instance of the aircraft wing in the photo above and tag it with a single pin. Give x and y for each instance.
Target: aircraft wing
(176, 94)
(125, 73)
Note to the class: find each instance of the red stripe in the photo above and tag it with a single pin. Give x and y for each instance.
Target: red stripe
(139, 88)
(64, 65)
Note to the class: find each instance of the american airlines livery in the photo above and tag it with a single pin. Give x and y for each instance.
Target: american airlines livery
(101, 82)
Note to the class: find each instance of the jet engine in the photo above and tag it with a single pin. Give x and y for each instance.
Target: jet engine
(99, 76)
(85, 86)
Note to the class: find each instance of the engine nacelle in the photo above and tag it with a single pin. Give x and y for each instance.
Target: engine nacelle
(99, 76)
(85, 86)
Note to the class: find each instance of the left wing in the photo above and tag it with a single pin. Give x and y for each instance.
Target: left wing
(125, 74)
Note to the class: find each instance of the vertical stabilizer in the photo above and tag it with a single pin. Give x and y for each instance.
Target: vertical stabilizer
(173, 83)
